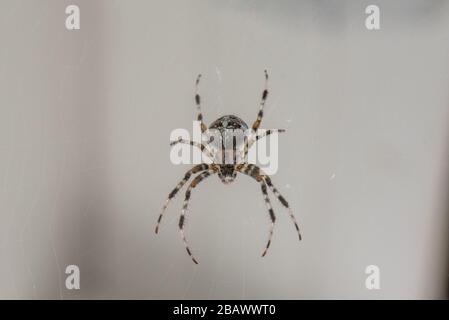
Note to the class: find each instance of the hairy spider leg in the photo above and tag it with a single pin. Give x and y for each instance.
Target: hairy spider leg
(245, 169)
(256, 123)
(271, 212)
(209, 153)
(198, 104)
(284, 203)
(256, 173)
(188, 174)
(192, 185)
(252, 140)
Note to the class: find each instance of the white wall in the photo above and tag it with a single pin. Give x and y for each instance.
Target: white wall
(85, 118)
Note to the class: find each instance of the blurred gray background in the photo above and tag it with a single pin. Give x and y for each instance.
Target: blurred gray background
(85, 118)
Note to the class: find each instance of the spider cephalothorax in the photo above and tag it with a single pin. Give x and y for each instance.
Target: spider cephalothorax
(228, 159)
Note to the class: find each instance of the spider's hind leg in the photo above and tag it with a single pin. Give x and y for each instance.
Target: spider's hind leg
(188, 174)
(256, 173)
(271, 212)
(284, 203)
(181, 224)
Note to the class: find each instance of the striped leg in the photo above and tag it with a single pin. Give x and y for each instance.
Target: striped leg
(267, 133)
(256, 123)
(195, 169)
(252, 139)
(284, 203)
(256, 173)
(192, 185)
(272, 216)
(198, 104)
(202, 147)
(253, 172)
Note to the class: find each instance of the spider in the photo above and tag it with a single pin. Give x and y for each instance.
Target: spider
(228, 172)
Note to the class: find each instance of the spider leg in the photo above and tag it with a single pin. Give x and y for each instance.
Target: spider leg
(245, 170)
(249, 143)
(198, 104)
(284, 203)
(210, 154)
(256, 173)
(188, 174)
(256, 123)
(192, 185)
(272, 216)
(267, 133)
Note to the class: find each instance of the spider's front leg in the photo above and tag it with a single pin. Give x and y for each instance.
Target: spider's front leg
(192, 185)
(188, 174)
(256, 123)
(198, 104)
(259, 118)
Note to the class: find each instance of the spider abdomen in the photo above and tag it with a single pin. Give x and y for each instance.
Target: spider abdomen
(229, 122)
(228, 134)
